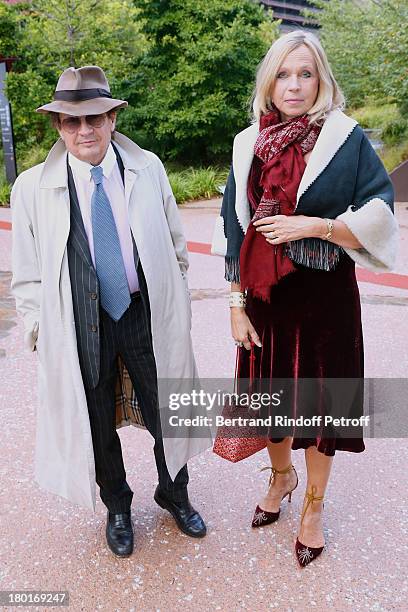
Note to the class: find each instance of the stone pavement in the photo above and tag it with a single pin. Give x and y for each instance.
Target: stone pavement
(49, 544)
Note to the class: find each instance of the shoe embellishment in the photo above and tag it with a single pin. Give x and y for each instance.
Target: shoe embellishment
(305, 555)
(259, 518)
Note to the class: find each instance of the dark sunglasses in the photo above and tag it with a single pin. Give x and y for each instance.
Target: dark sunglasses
(72, 124)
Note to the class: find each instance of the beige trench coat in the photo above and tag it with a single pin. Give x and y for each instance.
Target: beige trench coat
(64, 461)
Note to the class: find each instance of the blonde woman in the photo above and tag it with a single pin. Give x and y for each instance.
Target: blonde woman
(306, 198)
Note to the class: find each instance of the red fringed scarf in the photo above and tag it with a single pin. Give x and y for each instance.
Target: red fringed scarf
(273, 183)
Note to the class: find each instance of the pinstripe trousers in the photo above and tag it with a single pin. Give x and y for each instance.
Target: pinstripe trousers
(130, 338)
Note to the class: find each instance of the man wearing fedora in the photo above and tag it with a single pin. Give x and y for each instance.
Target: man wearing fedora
(99, 271)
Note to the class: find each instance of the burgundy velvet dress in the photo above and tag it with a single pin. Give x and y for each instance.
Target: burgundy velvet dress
(311, 329)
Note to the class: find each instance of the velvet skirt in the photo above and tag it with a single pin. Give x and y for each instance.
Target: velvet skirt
(311, 334)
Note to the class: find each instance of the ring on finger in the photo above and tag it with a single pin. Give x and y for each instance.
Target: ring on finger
(239, 344)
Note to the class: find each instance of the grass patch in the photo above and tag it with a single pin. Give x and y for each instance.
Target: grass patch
(197, 183)
(380, 117)
(393, 156)
(2, 170)
(25, 159)
(388, 119)
(5, 188)
(394, 131)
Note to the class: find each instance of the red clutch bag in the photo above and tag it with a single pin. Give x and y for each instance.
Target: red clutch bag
(236, 449)
(237, 442)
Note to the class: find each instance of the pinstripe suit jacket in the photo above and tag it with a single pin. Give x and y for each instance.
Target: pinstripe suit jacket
(85, 289)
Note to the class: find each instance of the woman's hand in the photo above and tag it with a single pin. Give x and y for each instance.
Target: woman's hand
(283, 228)
(242, 329)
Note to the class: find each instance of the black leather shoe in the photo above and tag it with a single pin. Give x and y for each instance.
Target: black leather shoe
(119, 534)
(187, 519)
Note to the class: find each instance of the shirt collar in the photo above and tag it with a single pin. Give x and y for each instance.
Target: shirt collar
(83, 169)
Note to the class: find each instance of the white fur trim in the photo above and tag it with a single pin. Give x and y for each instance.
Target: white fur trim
(219, 241)
(242, 156)
(335, 131)
(376, 228)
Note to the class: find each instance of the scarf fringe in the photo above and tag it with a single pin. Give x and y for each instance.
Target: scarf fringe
(314, 253)
(232, 270)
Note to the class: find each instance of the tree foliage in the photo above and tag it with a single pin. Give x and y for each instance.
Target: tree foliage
(187, 67)
(55, 34)
(191, 89)
(367, 45)
(8, 30)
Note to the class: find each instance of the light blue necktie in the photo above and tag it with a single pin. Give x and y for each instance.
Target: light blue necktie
(110, 269)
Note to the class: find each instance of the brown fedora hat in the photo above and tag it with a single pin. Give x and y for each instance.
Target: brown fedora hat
(82, 91)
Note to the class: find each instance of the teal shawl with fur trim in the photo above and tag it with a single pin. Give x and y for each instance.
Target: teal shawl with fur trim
(344, 179)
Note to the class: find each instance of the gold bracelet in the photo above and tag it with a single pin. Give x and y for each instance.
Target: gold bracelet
(330, 226)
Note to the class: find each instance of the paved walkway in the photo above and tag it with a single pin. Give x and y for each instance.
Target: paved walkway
(49, 544)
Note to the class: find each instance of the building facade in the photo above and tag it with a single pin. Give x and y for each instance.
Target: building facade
(290, 14)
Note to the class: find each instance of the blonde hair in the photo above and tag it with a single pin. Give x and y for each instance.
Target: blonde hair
(329, 97)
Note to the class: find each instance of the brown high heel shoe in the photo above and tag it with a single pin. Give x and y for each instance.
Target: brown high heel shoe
(262, 517)
(307, 554)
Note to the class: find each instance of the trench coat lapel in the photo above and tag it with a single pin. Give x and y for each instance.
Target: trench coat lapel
(133, 158)
(54, 177)
(130, 179)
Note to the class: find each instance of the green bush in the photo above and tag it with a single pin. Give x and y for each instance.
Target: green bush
(395, 132)
(5, 190)
(2, 171)
(28, 159)
(205, 181)
(4, 186)
(387, 118)
(196, 183)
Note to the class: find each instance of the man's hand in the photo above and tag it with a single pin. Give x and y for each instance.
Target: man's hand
(242, 329)
(283, 228)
